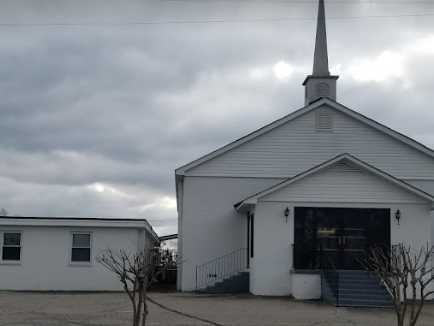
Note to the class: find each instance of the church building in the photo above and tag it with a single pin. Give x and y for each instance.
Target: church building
(310, 192)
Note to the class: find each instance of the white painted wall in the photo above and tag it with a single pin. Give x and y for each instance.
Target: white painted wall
(306, 286)
(274, 236)
(297, 145)
(210, 225)
(271, 264)
(45, 259)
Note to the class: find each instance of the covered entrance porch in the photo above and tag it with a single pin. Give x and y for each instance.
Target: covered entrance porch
(338, 238)
(326, 219)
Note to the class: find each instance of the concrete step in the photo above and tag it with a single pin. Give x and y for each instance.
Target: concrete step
(358, 278)
(238, 283)
(365, 296)
(365, 303)
(357, 289)
(356, 286)
(374, 291)
(358, 281)
(354, 272)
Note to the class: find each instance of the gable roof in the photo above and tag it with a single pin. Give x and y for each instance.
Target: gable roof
(342, 157)
(277, 123)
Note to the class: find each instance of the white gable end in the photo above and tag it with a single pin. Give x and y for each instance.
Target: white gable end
(312, 138)
(343, 183)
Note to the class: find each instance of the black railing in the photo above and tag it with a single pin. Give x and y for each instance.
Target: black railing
(322, 262)
(330, 285)
(221, 268)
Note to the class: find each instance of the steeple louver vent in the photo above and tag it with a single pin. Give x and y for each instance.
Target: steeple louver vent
(324, 120)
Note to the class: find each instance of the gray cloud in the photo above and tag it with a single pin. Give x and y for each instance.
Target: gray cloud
(94, 119)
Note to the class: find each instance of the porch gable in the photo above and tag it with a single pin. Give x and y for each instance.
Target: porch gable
(341, 179)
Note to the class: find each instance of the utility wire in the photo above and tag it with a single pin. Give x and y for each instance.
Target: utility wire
(309, 1)
(208, 21)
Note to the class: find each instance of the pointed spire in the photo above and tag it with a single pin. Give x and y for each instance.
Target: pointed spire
(320, 83)
(320, 61)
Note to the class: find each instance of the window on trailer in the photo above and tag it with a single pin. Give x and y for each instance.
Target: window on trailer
(11, 250)
(81, 247)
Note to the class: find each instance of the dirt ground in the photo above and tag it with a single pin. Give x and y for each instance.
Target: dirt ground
(48, 309)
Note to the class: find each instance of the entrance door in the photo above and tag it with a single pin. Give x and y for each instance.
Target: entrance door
(338, 237)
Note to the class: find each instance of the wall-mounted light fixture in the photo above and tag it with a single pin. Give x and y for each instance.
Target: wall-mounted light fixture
(398, 216)
(286, 213)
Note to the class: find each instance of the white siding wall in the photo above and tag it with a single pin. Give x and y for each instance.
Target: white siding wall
(296, 146)
(210, 225)
(274, 236)
(340, 184)
(425, 185)
(45, 260)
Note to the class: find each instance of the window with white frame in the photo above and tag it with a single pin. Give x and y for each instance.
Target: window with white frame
(11, 248)
(81, 247)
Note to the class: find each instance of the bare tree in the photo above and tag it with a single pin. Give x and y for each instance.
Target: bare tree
(135, 271)
(407, 276)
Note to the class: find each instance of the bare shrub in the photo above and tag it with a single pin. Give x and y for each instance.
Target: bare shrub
(407, 276)
(135, 271)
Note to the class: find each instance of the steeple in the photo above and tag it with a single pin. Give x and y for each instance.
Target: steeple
(320, 59)
(320, 83)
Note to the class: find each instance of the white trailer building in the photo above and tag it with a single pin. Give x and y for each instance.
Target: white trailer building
(58, 254)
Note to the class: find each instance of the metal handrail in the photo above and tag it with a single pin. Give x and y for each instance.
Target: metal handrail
(221, 268)
(220, 257)
(330, 279)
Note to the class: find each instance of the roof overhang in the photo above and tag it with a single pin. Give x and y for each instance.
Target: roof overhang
(245, 206)
(253, 199)
(78, 222)
(169, 237)
(319, 77)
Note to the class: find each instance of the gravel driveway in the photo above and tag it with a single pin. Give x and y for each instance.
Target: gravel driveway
(49, 309)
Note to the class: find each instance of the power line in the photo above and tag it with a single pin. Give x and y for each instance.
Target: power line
(206, 21)
(309, 1)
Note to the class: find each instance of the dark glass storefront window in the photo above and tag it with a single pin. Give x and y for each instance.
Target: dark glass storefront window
(337, 237)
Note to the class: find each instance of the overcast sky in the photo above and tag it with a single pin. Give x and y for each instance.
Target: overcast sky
(101, 100)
